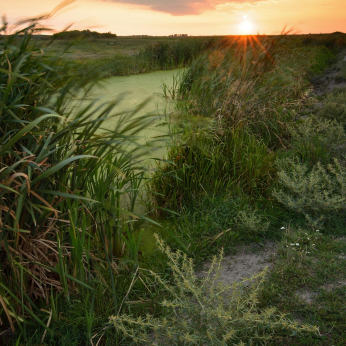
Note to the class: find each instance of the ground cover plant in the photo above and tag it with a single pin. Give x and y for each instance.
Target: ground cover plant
(255, 156)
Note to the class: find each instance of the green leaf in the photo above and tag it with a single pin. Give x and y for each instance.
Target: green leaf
(67, 195)
(60, 166)
(25, 130)
(8, 188)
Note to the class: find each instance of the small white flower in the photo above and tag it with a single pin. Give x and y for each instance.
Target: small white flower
(297, 244)
(308, 238)
(292, 244)
(317, 230)
(282, 227)
(313, 244)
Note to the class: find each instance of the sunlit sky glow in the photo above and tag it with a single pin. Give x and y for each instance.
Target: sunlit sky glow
(193, 17)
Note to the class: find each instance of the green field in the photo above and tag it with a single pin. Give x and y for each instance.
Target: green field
(230, 149)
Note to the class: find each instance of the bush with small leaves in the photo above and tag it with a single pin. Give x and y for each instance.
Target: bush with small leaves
(251, 222)
(316, 192)
(317, 139)
(205, 312)
(334, 107)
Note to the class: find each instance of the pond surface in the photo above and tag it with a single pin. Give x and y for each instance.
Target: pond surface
(134, 90)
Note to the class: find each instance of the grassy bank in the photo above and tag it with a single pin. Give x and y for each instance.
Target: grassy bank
(260, 159)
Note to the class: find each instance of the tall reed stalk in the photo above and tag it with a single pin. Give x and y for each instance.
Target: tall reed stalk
(63, 176)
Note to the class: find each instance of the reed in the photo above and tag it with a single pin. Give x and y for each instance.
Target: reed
(63, 175)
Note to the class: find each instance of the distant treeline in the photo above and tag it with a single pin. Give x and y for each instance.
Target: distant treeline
(75, 34)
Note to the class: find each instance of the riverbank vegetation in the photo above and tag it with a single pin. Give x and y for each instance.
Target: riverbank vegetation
(255, 157)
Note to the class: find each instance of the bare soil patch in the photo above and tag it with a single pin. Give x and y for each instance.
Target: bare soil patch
(249, 261)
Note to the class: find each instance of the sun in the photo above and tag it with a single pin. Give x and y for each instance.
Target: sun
(246, 27)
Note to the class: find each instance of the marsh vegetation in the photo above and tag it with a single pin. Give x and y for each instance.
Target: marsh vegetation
(253, 156)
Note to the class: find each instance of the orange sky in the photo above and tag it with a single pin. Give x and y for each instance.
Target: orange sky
(193, 17)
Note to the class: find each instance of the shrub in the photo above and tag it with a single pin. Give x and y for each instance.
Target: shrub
(317, 192)
(334, 107)
(315, 139)
(205, 312)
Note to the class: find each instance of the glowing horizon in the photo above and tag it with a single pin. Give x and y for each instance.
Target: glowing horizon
(192, 17)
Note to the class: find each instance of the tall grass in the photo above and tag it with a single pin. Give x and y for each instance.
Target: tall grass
(209, 162)
(235, 102)
(64, 177)
(164, 55)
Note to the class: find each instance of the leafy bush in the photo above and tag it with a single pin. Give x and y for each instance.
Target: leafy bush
(205, 312)
(317, 192)
(323, 57)
(334, 107)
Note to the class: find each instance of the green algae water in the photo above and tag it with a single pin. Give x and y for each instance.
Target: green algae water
(133, 91)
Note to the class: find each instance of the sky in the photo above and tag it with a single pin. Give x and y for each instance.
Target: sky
(192, 17)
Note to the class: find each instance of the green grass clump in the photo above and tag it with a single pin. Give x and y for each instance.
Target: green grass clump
(211, 222)
(204, 311)
(168, 55)
(323, 57)
(213, 161)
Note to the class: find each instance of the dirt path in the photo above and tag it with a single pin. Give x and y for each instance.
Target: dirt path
(248, 261)
(332, 79)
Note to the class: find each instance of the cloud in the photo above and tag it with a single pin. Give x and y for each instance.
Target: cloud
(181, 7)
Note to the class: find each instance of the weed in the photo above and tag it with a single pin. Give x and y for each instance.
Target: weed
(205, 312)
(317, 139)
(334, 107)
(317, 192)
